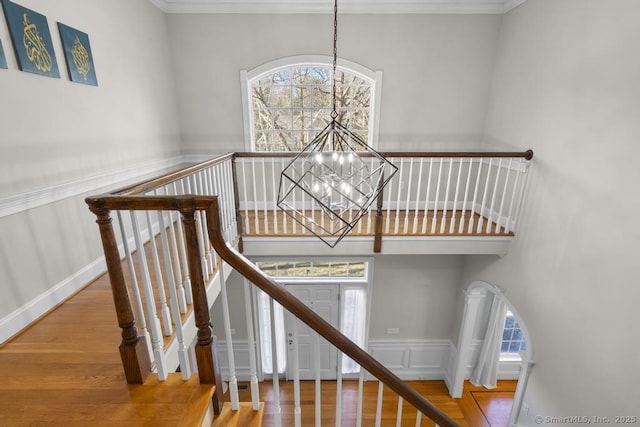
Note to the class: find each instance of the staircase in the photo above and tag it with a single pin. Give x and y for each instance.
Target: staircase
(182, 234)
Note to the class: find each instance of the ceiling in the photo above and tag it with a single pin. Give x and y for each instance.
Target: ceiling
(345, 6)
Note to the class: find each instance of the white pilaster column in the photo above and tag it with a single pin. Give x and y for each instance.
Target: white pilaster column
(472, 299)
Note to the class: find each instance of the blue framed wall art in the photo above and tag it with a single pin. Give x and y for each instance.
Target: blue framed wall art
(3, 59)
(77, 54)
(31, 39)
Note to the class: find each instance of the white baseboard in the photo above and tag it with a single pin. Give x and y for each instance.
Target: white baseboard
(22, 317)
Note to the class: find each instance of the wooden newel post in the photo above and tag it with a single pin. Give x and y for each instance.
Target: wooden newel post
(133, 349)
(205, 348)
(377, 239)
(234, 170)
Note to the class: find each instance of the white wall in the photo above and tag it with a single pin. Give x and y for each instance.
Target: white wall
(566, 85)
(55, 132)
(437, 70)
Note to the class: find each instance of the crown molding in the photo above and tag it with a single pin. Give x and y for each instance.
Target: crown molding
(346, 6)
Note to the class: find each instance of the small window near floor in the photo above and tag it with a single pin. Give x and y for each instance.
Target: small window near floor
(512, 338)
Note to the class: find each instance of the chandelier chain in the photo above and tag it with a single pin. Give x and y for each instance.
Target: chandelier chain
(334, 113)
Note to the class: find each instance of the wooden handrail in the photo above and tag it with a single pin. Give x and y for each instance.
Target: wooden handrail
(528, 155)
(313, 320)
(154, 183)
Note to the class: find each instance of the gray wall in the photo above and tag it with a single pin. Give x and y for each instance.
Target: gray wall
(415, 293)
(566, 85)
(437, 71)
(54, 132)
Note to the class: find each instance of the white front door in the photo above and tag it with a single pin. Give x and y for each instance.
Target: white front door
(324, 300)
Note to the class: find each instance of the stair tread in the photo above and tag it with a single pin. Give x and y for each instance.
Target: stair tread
(245, 416)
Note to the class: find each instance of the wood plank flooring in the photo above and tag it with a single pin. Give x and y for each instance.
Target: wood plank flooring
(395, 223)
(480, 412)
(65, 370)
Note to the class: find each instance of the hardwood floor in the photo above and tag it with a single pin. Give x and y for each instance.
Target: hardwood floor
(65, 370)
(272, 223)
(490, 408)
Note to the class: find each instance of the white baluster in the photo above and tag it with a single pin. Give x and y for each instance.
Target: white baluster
(419, 419)
(360, 398)
(426, 199)
(277, 409)
(511, 219)
(415, 214)
(203, 191)
(264, 197)
(186, 280)
(493, 198)
(484, 197)
(154, 321)
(177, 268)
(141, 320)
(191, 189)
(475, 197)
(399, 193)
(435, 209)
(165, 315)
(466, 195)
(231, 198)
(183, 355)
(255, 196)
(455, 199)
(339, 391)
(409, 181)
(399, 414)
(284, 216)
(504, 196)
(370, 222)
(446, 197)
(318, 384)
(253, 365)
(216, 187)
(274, 187)
(297, 410)
(233, 380)
(379, 404)
(525, 166)
(245, 197)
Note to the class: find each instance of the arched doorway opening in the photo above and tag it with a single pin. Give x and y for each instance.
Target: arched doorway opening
(510, 342)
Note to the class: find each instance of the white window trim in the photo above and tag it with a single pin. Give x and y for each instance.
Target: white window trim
(372, 77)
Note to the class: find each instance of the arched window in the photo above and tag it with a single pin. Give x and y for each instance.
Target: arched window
(513, 340)
(287, 102)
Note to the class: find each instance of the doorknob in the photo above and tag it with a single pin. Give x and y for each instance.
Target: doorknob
(289, 334)
(290, 342)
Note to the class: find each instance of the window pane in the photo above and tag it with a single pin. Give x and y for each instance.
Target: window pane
(314, 269)
(512, 337)
(299, 99)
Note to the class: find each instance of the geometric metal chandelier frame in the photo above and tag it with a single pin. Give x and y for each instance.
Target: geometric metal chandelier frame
(335, 179)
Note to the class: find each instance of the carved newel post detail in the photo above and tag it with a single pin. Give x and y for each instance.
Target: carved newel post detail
(205, 348)
(133, 349)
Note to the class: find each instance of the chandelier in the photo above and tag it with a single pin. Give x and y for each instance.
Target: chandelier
(335, 179)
